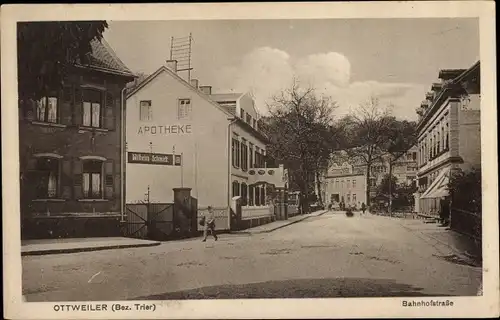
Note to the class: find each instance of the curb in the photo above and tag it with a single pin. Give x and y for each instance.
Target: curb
(86, 249)
(285, 225)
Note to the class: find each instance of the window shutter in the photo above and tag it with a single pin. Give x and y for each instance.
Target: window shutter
(109, 114)
(78, 107)
(108, 179)
(66, 181)
(77, 179)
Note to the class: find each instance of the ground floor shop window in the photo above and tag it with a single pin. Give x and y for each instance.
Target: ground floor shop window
(47, 178)
(92, 179)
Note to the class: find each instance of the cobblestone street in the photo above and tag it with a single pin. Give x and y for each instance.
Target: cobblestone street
(326, 256)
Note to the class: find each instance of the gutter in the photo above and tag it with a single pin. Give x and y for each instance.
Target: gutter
(122, 158)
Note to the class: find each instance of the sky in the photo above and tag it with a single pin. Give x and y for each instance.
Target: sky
(349, 60)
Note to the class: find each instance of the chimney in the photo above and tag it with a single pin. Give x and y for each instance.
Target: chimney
(172, 65)
(194, 83)
(206, 89)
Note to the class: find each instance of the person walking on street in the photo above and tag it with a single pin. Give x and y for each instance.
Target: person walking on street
(209, 224)
(363, 207)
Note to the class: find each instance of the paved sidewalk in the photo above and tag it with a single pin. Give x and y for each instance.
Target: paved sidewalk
(278, 224)
(444, 238)
(71, 245)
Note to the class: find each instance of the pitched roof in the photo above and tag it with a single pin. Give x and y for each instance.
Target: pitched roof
(163, 69)
(226, 96)
(104, 58)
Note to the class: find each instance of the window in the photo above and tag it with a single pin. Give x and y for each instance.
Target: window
(242, 113)
(236, 189)
(414, 156)
(244, 196)
(184, 109)
(342, 183)
(46, 109)
(244, 157)
(337, 183)
(354, 197)
(257, 196)
(251, 156)
(257, 159)
(92, 179)
(47, 178)
(348, 198)
(348, 183)
(235, 148)
(145, 112)
(438, 143)
(249, 119)
(354, 183)
(262, 196)
(254, 124)
(250, 195)
(92, 107)
(447, 139)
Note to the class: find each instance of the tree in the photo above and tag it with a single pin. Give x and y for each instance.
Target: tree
(366, 136)
(388, 186)
(300, 126)
(399, 137)
(47, 49)
(465, 190)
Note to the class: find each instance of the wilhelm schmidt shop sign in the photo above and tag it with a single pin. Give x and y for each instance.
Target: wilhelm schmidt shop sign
(154, 158)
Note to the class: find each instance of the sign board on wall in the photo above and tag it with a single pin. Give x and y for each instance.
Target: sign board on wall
(154, 158)
(165, 130)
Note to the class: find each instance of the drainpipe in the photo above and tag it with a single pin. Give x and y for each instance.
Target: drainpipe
(229, 162)
(122, 150)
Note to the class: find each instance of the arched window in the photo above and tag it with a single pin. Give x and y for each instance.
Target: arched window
(236, 188)
(244, 198)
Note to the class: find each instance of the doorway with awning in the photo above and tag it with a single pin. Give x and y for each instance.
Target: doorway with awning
(429, 200)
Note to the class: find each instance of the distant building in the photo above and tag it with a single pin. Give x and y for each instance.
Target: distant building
(449, 134)
(71, 151)
(347, 182)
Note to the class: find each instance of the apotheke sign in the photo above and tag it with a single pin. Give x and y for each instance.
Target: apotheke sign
(154, 158)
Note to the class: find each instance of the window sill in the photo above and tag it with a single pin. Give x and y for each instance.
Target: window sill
(92, 200)
(85, 128)
(49, 200)
(48, 124)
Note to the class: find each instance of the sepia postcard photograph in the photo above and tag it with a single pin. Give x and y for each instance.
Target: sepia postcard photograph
(250, 160)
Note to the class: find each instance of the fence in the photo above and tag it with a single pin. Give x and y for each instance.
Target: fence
(292, 210)
(256, 212)
(152, 221)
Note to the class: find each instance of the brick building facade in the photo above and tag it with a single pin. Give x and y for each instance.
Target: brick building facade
(71, 148)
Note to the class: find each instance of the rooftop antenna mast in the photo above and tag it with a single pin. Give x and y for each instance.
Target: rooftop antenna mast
(180, 50)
